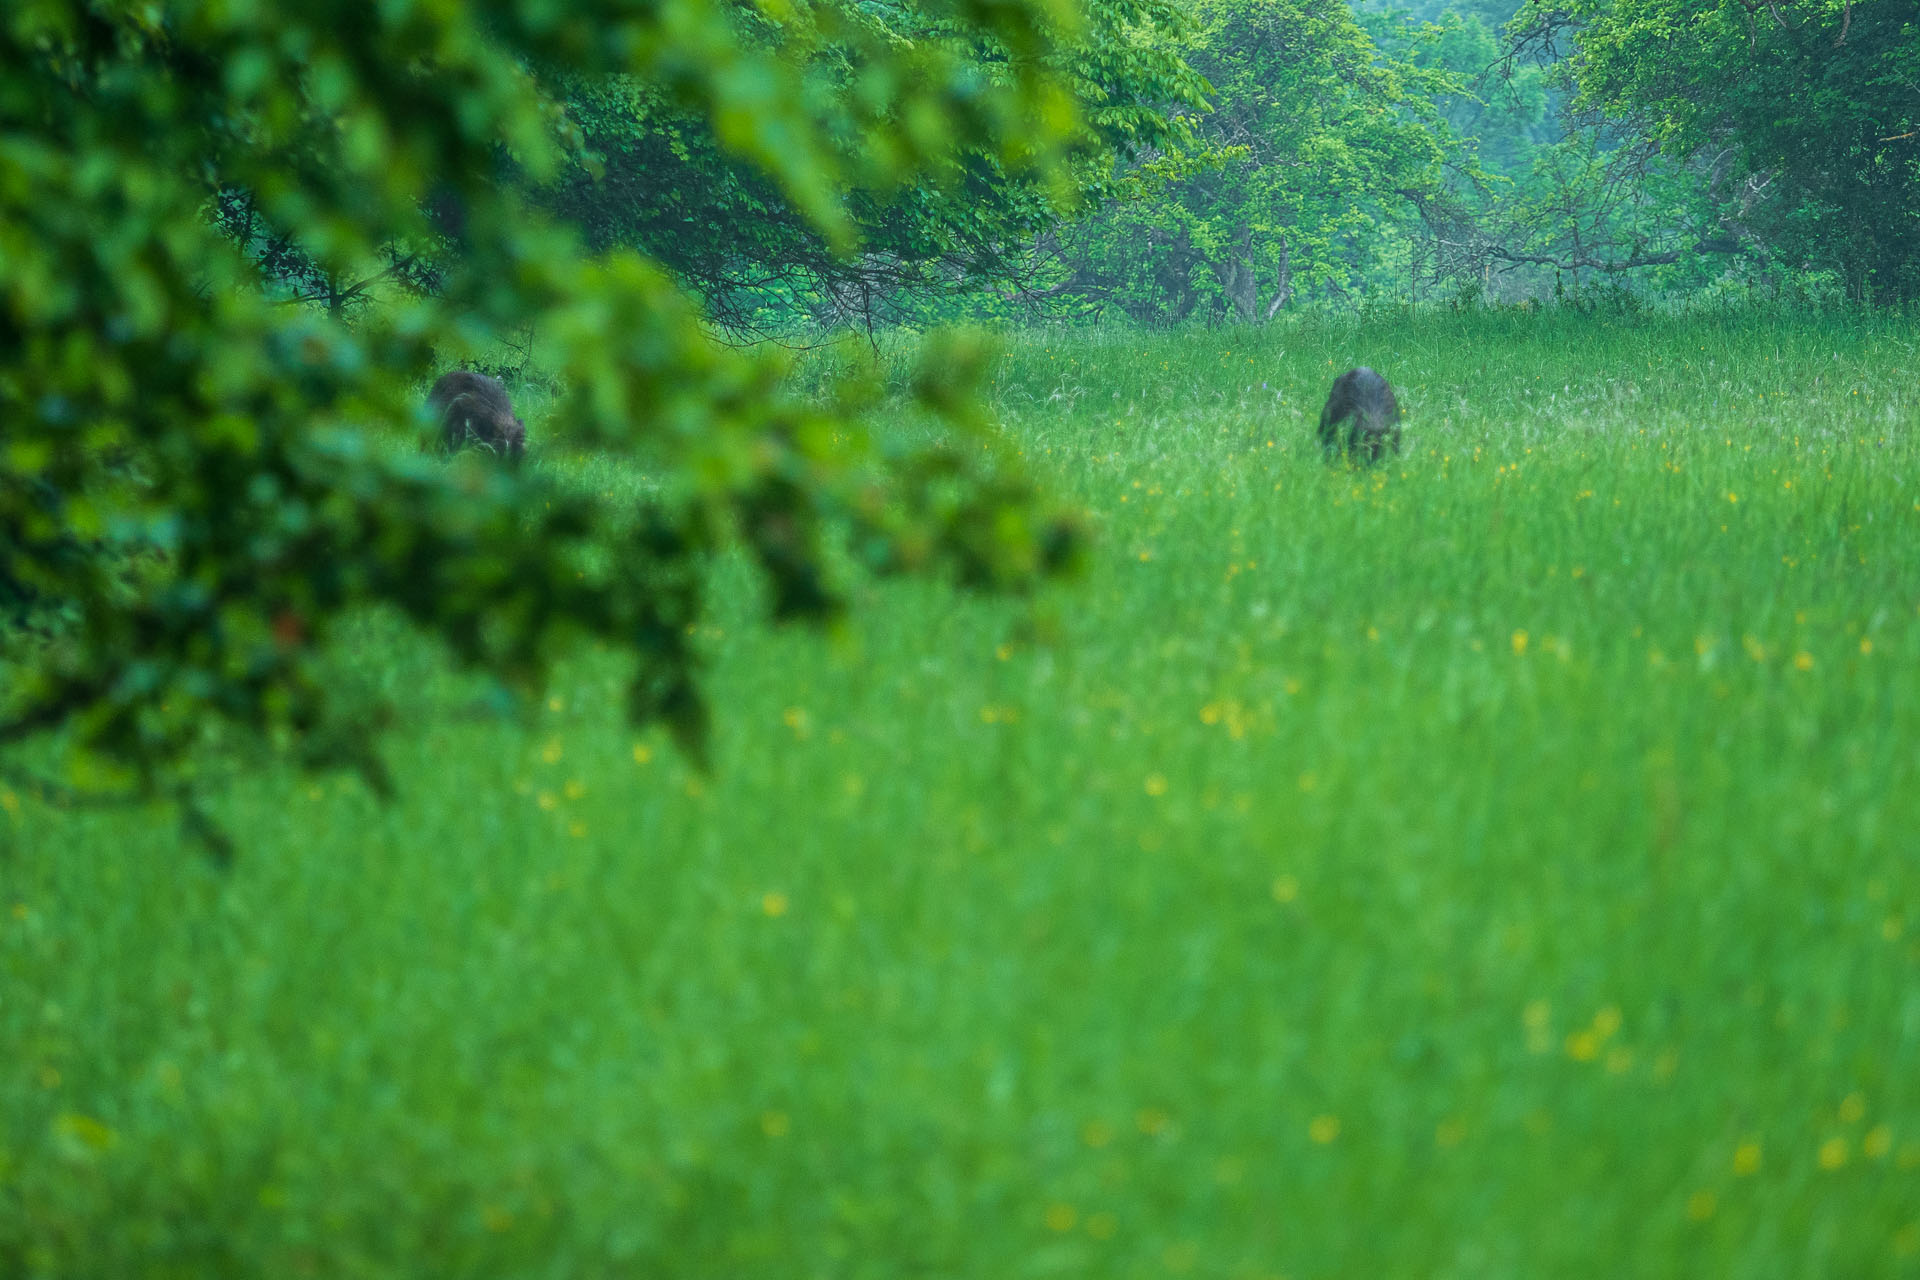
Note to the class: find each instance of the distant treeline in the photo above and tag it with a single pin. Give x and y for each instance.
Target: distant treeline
(1244, 157)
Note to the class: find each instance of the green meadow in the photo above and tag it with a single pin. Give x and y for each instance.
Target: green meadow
(1503, 863)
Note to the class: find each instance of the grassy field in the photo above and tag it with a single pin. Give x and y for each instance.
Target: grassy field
(1503, 864)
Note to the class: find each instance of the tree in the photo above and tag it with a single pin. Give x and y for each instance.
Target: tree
(1316, 152)
(1803, 115)
(653, 176)
(1548, 194)
(197, 478)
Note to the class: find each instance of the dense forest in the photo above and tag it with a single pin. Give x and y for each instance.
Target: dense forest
(1243, 157)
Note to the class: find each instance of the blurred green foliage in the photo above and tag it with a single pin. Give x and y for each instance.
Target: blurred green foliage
(197, 476)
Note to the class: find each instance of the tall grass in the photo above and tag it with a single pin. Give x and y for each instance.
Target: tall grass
(1500, 863)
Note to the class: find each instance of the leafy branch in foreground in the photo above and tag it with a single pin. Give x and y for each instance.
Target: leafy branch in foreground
(194, 484)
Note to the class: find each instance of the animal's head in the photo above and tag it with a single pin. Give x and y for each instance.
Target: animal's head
(498, 432)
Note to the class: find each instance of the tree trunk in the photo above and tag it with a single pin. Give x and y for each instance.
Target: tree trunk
(1236, 277)
(1284, 283)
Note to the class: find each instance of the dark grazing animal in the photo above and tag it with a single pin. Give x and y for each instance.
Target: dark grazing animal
(1362, 419)
(473, 408)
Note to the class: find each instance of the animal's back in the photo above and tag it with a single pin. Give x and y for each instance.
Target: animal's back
(465, 382)
(1363, 401)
